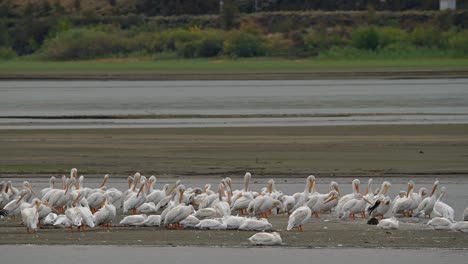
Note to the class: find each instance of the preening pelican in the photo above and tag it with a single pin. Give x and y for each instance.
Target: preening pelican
(135, 200)
(266, 239)
(234, 222)
(341, 202)
(106, 215)
(50, 219)
(179, 212)
(299, 217)
(460, 226)
(30, 216)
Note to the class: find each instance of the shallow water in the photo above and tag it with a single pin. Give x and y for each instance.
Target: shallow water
(72, 98)
(116, 254)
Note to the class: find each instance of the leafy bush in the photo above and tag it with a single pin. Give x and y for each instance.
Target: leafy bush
(243, 44)
(459, 42)
(7, 53)
(277, 45)
(365, 38)
(84, 44)
(426, 37)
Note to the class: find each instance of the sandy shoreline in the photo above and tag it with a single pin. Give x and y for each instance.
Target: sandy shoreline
(326, 232)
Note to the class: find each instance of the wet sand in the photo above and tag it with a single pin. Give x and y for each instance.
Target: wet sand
(326, 232)
(372, 150)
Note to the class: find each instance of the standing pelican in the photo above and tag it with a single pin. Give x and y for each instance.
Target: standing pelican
(135, 200)
(301, 198)
(355, 185)
(51, 187)
(427, 205)
(442, 209)
(403, 205)
(299, 217)
(30, 216)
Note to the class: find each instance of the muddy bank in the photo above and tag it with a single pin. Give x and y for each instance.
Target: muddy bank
(326, 232)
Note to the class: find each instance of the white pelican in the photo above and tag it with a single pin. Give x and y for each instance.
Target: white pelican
(13, 207)
(239, 193)
(382, 202)
(206, 213)
(299, 217)
(263, 205)
(12, 191)
(440, 223)
(179, 212)
(417, 198)
(52, 181)
(157, 195)
(50, 219)
(256, 225)
(147, 208)
(403, 205)
(234, 222)
(106, 215)
(60, 198)
(460, 226)
(369, 194)
(266, 239)
(301, 198)
(222, 205)
(442, 209)
(242, 203)
(4, 196)
(135, 200)
(133, 220)
(30, 216)
(288, 203)
(317, 202)
(355, 185)
(354, 206)
(62, 220)
(153, 220)
(389, 223)
(212, 224)
(427, 205)
(190, 222)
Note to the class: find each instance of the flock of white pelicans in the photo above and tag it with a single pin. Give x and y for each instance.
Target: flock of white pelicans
(73, 205)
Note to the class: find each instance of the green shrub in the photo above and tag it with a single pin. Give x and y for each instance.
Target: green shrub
(391, 35)
(277, 45)
(427, 36)
(7, 53)
(84, 44)
(459, 42)
(243, 44)
(365, 38)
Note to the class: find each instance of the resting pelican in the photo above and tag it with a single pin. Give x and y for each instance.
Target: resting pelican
(354, 206)
(301, 198)
(440, 223)
(62, 220)
(389, 223)
(190, 222)
(212, 224)
(157, 195)
(106, 215)
(299, 217)
(134, 220)
(266, 239)
(222, 205)
(60, 198)
(460, 226)
(427, 205)
(263, 205)
(50, 219)
(153, 220)
(417, 198)
(30, 216)
(86, 214)
(403, 205)
(234, 222)
(442, 209)
(317, 202)
(256, 225)
(206, 213)
(288, 203)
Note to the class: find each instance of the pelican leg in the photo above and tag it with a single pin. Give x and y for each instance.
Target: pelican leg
(363, 215)
(301, 229)
(316, 214)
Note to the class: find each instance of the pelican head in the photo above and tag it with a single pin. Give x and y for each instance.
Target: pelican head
(310, 183)
(386, 187)
(37, 202)
(22, 196)
(369, 183)
(434, 188)
(422, 191)
(333, 196)
(356, 183)
(74, 173)
(334, 186)
(247, 178)
(270, 185)
(181, 189)
(228, 181)
(28, 185)
(410, 188)
(104, 182)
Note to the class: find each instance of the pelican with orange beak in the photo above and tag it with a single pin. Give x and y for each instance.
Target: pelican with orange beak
(106, 215)
(136, 199)
(403, 205)
(301, 198)
(427, 205)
